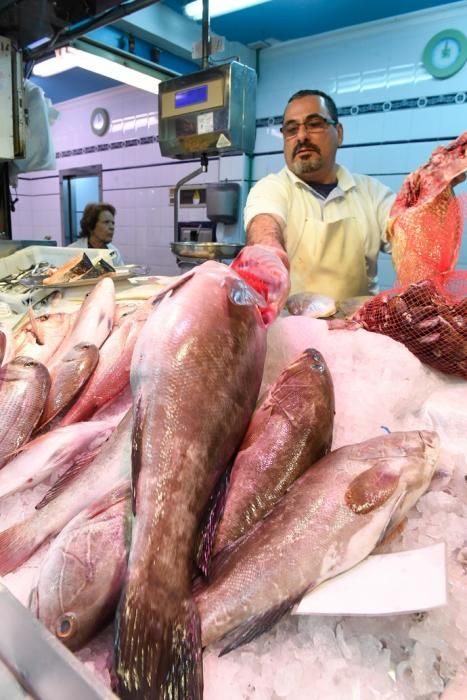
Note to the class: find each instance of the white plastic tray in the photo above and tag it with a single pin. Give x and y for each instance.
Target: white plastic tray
(47, 669)
(33, 255)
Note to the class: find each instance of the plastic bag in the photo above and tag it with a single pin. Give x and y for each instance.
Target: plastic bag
(40, 151)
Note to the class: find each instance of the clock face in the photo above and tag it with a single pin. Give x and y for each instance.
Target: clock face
(100, 121)
(446, 53)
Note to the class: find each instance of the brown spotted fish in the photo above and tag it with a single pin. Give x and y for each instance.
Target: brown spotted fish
(288, 432)
(196, 373)
(329, 520)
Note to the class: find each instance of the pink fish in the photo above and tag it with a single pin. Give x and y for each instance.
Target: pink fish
(41, 339)
(48, 454)
(68, 375)
(116, 408)
(24, 385)
(93, 322)
(80, 486)
(81, 576)
(112, 373)
(264, 268)
(196, 373)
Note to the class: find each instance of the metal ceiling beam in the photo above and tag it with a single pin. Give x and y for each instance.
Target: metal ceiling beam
(175, 33)
(64, 36)
(164, 27)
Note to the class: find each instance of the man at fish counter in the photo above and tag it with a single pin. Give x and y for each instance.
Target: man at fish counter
(97, 229)
(326, 224)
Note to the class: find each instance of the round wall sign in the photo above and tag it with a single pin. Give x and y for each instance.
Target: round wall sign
(100, 121)
(445, 53)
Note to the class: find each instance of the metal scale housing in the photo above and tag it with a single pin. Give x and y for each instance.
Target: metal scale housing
(208, 113)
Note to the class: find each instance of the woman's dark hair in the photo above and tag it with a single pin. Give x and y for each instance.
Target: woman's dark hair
(328, 101)
(91, 215)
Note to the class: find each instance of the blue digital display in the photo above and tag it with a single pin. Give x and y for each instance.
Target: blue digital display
(192, 96)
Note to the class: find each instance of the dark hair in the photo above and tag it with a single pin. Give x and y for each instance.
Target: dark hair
(91, 215)
(328, 101)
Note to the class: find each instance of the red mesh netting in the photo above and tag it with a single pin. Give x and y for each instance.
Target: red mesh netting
(428, 317)
(426, 219)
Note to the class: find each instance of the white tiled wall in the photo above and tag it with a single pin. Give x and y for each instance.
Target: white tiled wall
(376, 62)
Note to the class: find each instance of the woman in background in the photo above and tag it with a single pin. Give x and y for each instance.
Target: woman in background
(97, 230)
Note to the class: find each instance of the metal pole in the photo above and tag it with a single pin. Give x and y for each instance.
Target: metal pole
(202, 169)
(206, 41)
(5, 217)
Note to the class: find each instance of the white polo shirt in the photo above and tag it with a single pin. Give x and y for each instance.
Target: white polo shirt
(355, 215)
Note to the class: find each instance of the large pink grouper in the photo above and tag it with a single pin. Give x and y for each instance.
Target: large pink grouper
(195, 376)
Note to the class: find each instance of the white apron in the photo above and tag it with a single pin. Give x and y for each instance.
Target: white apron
(329, 258)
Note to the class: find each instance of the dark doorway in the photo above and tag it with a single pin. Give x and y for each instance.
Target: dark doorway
(78, 187)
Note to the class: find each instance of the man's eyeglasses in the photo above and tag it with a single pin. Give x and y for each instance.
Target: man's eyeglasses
(314, 124)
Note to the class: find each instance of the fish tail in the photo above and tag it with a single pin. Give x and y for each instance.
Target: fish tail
(17, 544)
(158, 651)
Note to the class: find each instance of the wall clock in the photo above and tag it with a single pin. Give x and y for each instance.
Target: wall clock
(100, 121)
(445, 53)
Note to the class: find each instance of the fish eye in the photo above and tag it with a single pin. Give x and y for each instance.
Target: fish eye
(66, 626)
(29, 362)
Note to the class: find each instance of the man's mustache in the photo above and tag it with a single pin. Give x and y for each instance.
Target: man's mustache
(305, 144)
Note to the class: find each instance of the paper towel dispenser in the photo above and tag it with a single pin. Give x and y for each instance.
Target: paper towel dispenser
(222, 201)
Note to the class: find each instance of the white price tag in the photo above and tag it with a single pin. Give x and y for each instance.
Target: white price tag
(383, 584)
(205, 123)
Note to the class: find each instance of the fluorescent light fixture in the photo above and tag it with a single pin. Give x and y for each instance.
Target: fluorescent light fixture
(99, 59)
(219, 7)
(38, 42)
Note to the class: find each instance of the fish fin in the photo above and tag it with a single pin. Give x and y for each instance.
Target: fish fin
(158, 652)
(33, 601)
(213, 516)
(17, 543)
(255, 626)
(173, 286)
(136, 452)
(217, 563)
(120, 492)
(390, 534)
(241, 294)
(62, 483)
(222, 558)
(394, 519)
(371, 488)
(36, 329)
(257, 424)
(61, 398)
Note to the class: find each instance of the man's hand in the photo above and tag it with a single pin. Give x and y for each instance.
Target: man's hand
(265, 268)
